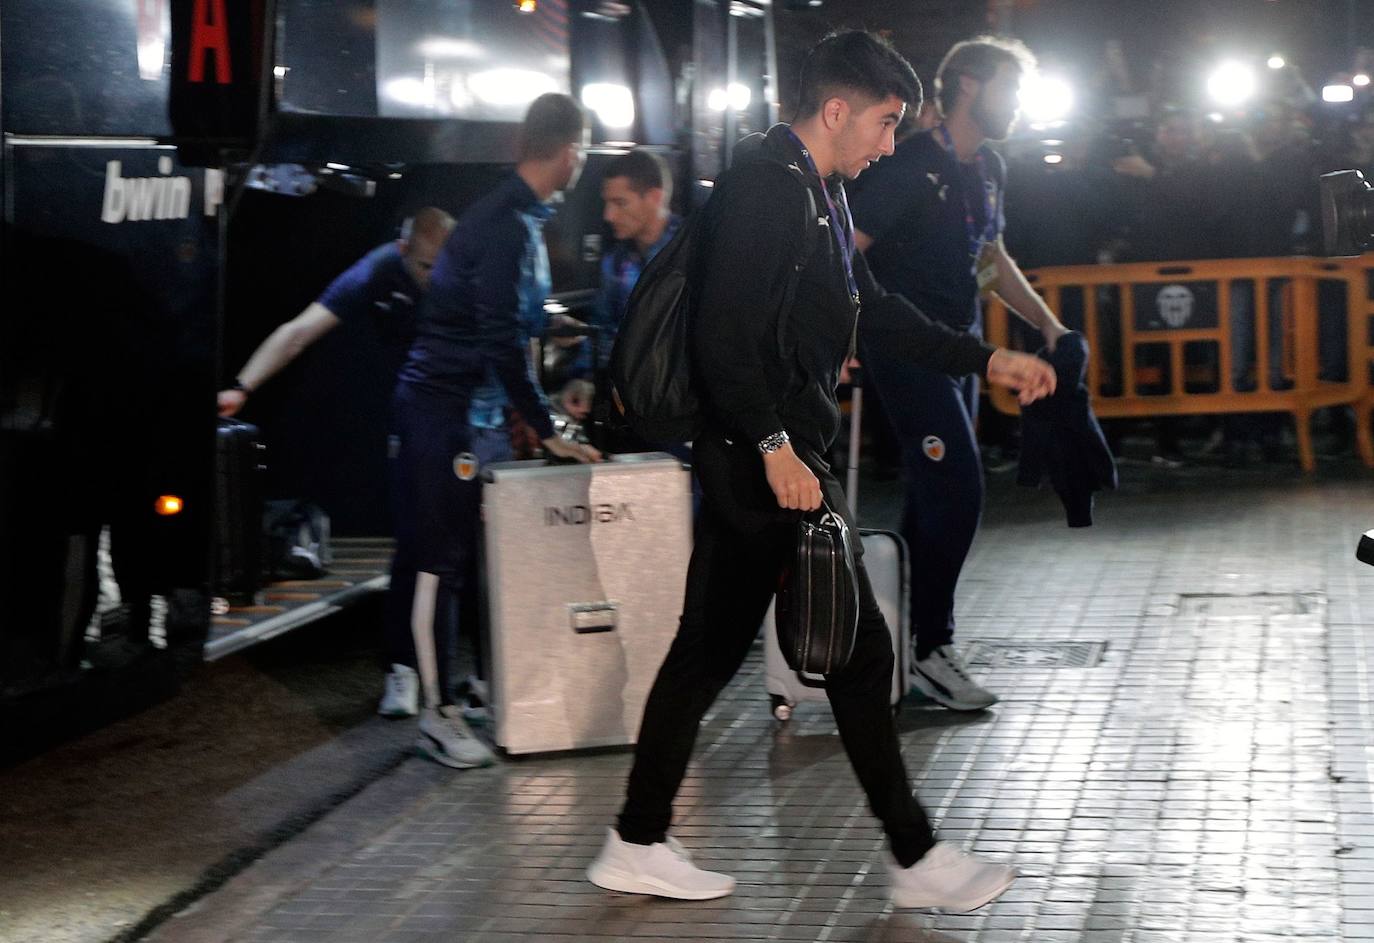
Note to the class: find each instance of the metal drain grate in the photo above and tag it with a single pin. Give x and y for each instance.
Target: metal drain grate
(1036, 654)
(1251, 606)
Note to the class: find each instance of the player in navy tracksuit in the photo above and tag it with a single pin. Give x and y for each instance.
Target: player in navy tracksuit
(473, 332)
(930, 221)
(386, 287)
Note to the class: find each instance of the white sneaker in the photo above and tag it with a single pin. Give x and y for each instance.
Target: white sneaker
(478, 688)
(446, 738)
(402, 697)
(475, 700)
(950, 880)
(662, 869)
(943, 678)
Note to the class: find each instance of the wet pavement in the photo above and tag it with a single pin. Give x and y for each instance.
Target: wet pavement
(1181, 753)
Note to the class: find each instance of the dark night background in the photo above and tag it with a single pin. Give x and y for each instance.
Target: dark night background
(1320, 36)
(338, 387)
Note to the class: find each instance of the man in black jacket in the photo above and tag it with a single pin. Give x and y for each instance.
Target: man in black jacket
(772, 414)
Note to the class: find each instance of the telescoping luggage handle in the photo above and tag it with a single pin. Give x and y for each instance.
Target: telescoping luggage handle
(856, 412)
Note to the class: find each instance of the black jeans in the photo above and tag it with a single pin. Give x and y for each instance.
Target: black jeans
(730, 582)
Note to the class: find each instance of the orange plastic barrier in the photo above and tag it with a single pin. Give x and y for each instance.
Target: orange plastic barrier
(1362, 311)
(1164, 343)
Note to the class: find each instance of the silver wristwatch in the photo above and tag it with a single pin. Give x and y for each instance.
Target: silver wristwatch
(773, 442)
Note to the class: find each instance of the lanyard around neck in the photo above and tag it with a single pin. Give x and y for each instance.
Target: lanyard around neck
(841, 224)
(987, 191)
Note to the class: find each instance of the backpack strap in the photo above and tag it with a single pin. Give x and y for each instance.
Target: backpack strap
(808, 247)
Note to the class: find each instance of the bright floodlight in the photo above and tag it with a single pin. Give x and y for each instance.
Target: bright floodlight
(1045, 99)
(613, 104)
(1277, 62)
(408, 90)
(1338, 93)
(510, 86)
(1231, 84)
(445, 47)
(1361, 80)
(736, 97)
(151, 55)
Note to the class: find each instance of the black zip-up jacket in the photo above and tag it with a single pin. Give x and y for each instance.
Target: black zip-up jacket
(753, 240)
(1060, 436)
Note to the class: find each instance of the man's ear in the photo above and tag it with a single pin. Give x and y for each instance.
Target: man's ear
(834, 112)
(969, 86)
(655, 197)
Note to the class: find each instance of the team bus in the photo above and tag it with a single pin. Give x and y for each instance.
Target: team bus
(179, 177)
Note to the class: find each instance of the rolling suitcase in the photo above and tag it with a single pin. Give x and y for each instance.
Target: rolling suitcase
(885, 558)
(585, 570)
(889, 571)
(239, 486)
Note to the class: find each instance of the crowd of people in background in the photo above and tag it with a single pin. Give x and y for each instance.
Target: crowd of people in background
(1184, 183)
(1181, 187)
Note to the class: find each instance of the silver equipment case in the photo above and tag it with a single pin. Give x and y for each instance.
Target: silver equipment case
(586, 566)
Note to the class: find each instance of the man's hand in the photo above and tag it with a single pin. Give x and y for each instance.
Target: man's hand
(230, 402)
(794, 485)
(1052, 331)
(562, 448)
(567, 320)
(1031, 377)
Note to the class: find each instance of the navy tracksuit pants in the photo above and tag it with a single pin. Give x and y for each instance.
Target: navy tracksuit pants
(933, 415)
(437, 503)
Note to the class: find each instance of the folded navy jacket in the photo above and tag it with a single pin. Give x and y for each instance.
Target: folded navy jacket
(1060, 436)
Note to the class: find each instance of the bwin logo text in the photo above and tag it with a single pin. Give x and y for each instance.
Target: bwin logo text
(585, 514)
(141, 198)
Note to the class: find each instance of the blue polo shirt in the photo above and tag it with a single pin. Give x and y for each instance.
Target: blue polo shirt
(485, 301)
(915, 205)
(379, 288)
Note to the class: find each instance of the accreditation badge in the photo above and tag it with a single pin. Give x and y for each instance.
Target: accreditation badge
(985, 269)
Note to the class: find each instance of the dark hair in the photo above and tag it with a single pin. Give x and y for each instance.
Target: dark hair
(856, 63)
(644, 169)
(978, 59)
(553, 121)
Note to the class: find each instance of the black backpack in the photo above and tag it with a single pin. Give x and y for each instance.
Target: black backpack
(651, 365)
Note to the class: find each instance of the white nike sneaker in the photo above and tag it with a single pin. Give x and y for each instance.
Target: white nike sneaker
(402, 697)
(446, 738)
(943, 678)
(662, 869)
(949, 880)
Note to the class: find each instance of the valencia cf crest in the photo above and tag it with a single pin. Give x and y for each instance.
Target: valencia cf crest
(933, 447)
(466, 466)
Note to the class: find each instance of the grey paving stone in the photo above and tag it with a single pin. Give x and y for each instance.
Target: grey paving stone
(1209, 780)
